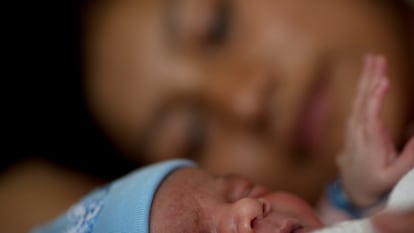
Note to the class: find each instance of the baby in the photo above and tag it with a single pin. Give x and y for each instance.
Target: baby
(177, 197)
(189, 200)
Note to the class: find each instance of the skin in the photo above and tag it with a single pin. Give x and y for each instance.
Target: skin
(394, 222)
(370, 165)
(193, 200)
(266, 96)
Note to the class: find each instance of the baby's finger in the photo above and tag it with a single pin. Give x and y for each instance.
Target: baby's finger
(374, 123)
(375, 102)
(394, 222)
(378, 85)
(366, 75)
(355, 126)
(402, 164)
(380, 66)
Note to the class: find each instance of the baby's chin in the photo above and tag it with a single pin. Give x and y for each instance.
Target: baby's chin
(295, 207)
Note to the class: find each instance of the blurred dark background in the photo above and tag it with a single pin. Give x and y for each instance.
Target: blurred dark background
(45, 113)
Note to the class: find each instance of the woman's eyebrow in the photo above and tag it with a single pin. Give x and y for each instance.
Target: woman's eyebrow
(170, 21)
(153, 124)
(147, 133)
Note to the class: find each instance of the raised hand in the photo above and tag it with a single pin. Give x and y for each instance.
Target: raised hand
(369, 164)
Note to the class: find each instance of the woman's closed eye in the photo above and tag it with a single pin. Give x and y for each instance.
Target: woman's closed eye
(196, 135)
(200, 24)
(235, 187)
(179, 131)
(220, 25)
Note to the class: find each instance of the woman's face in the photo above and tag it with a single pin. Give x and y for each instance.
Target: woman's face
(192, 200)
(259, 88)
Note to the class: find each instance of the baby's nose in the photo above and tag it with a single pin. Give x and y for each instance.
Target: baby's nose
(247, 212)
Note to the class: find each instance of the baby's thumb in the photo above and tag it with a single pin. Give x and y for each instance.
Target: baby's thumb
(399, 212)
(403, 163)
(394, 222)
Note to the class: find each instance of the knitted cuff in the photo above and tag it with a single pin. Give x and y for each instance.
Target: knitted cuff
(338, 199)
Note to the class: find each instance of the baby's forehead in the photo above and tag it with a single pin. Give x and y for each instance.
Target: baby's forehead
(177, 199)
(190, 176)
(189, 184)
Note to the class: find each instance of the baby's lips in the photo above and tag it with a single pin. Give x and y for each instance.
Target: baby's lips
(292, 227)
(279, 226)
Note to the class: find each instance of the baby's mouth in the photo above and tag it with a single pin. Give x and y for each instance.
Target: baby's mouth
(297, 229)
(286, 226)
(292, 228)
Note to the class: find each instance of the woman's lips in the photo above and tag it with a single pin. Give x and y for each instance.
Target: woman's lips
(313, 116)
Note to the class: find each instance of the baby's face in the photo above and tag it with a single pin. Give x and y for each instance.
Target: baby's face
(192, 200)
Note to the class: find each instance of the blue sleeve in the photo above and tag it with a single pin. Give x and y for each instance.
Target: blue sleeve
(122, 206)
(80, 218)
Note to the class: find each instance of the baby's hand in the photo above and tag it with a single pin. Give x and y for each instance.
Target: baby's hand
(394, 222)
(369, 165)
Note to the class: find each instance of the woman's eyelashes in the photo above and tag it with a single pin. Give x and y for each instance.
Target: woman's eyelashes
(196, 135)
(237, 188)
(198, 24)
(177, 131)
(220, 25)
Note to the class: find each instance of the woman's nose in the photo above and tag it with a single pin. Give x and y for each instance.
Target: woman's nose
(245, 213)
(248, 96)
